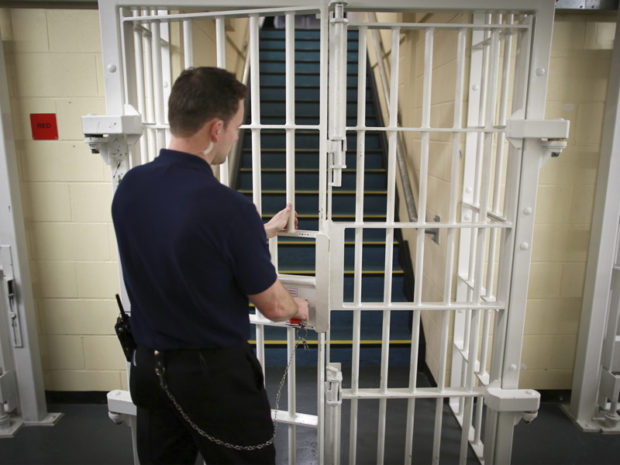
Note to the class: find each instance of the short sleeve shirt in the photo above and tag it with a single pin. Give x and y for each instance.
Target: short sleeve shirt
(191, 251)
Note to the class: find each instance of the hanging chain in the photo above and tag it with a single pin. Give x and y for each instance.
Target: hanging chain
(301, 340)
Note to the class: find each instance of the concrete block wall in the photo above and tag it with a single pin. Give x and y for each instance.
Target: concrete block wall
(54, 62)
(54, 65)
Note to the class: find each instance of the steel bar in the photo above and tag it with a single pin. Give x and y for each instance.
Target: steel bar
(188, 44)
(140, 85)
(291, 345)
(359, 237)
(256, 162)
(149, 95)
(229, 14)
(158, 88)
(423, 26)
(290, 115)
(220, 41)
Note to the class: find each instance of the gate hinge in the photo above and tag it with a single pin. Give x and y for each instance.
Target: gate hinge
(8, 281)
(333, 384)
(524, 403)
(552, 134)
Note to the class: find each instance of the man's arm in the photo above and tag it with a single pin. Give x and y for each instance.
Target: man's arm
(277, 304)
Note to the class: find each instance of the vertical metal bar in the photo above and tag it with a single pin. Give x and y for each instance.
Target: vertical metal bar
(323, 88)
(359, 236)
(422, 199)
(498, 181)
(492, 106)
(481, 232)
(149, 97)
(256, 151)
(321, 396)
(389, 237)
(493, 421)
(140, 84)
(166, 73)
(450, 243)
(476, 193)
(158, 88)
(188, 44)
(220, 35)
(292, 394)
(323, 61)
(290, 115)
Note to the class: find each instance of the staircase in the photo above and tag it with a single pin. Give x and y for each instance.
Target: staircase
(297, 255)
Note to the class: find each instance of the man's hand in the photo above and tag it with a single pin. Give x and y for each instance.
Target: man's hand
(302, 309)
(279, 222)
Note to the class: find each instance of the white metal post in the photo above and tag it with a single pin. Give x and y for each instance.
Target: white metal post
(290, 115)
(16, 279)
(600, 268)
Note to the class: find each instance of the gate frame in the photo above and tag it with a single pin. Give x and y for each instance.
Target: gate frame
(507, 356)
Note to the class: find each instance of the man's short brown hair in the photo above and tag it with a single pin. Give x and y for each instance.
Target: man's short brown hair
(200, 94)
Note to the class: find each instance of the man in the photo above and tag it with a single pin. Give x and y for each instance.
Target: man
(192, 252)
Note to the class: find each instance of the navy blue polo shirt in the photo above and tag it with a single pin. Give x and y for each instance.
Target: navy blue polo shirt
(191, 251)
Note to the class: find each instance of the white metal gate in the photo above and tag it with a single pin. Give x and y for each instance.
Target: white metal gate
(497, 143)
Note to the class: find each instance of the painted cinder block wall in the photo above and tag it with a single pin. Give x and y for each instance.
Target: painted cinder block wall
(54, 62)
(54, 65)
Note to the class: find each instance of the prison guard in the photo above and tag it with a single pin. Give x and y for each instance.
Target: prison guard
(191, 251)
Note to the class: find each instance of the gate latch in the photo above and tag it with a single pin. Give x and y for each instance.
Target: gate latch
(524, 403)
(8, 280)
(552, 134)
(337, 152)
(333, 384)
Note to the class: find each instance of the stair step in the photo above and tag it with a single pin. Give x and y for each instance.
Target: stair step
(312, 78)
(301, 34)
(301, 56)
(308, 158)
(296, 257)
(300, 67)
(305, 94)
(306, 140)
(307, 201)
(309, 178)
(305, 109)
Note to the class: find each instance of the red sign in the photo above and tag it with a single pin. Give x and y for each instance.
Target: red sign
(44, 126)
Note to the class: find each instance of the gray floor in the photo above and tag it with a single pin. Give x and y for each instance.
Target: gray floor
(85, 435)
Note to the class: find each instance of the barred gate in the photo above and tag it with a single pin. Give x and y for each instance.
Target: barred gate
(492, 144)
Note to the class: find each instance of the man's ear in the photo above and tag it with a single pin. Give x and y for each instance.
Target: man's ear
(216, 128)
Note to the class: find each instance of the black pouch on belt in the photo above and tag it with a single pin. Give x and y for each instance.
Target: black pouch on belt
(123, 331)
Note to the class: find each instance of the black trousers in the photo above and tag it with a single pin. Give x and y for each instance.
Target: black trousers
(221, 390)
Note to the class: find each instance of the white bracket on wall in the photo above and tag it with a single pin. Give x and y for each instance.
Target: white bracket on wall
(524, 403)
(552, 134)
(112, 136)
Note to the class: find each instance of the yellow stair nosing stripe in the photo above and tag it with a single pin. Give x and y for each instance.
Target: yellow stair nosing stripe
(311, 243)
(310, 192)
(346, 272)
(335, 342)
